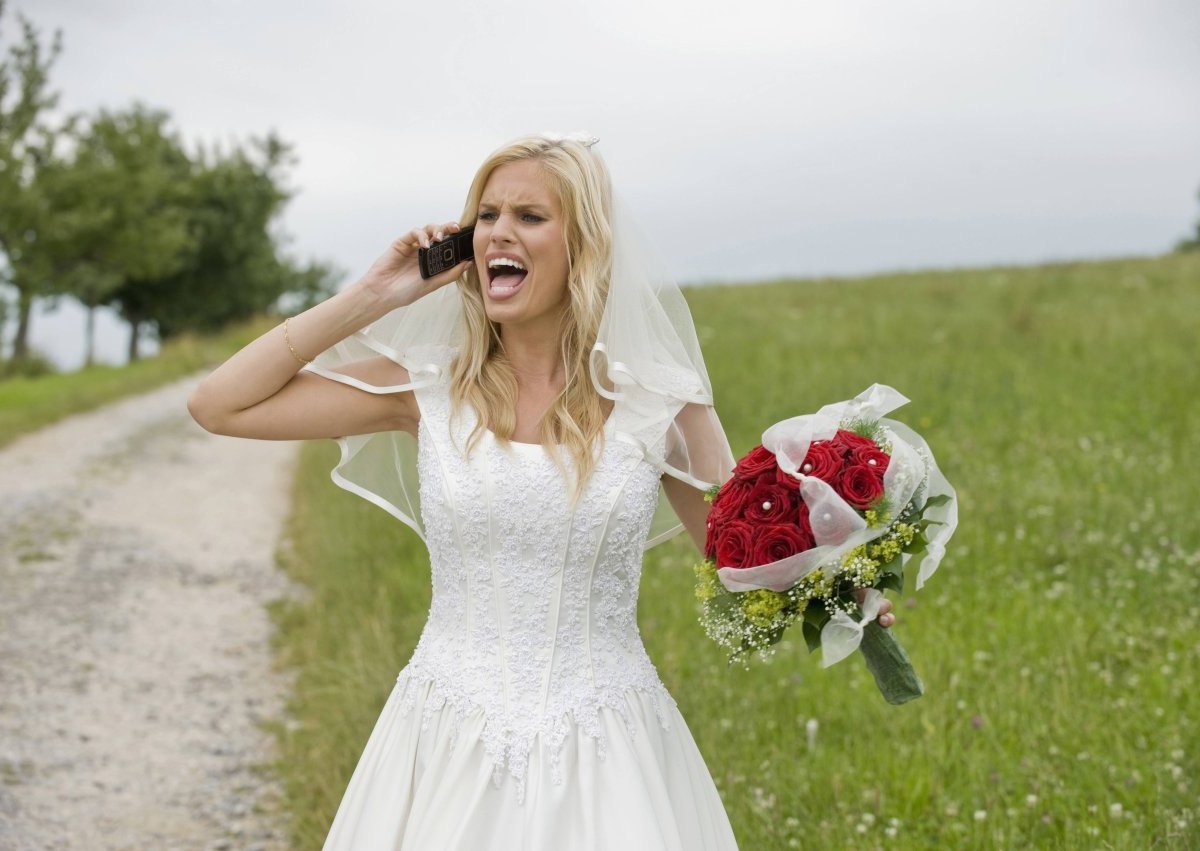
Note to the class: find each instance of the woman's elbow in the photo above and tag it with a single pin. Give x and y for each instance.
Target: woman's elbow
(204, 413)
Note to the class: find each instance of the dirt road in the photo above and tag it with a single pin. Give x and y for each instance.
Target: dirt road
(136, 555)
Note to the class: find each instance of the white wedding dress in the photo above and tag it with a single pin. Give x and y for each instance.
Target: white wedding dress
(529, 715)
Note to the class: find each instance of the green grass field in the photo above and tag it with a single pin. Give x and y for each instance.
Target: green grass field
(1058, 641)
(27, 404)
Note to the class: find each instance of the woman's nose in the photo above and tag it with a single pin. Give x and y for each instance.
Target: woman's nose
(502, 227)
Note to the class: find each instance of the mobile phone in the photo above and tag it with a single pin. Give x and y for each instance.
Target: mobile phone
(446, 253)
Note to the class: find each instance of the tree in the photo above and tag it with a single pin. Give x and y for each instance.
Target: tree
(27, 142)
(173, 242)
(1192, 243)
(118, 213)
(235, 270)
(5, 310)
(121, 209)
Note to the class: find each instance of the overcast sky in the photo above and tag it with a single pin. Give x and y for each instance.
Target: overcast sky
(753, 139)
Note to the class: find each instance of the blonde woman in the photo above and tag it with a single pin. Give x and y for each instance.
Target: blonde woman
(540, 415)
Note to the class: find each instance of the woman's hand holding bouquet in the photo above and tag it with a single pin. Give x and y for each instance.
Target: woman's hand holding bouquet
(814, 523)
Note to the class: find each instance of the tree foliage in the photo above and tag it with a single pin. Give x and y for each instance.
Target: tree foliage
(121, 208)
(113, 210)
(1191, 243)
(234, 269)
(29, 138)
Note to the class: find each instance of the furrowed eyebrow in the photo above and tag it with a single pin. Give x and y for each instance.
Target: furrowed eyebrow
(521, 207)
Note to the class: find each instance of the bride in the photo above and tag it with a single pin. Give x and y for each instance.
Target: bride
(539, 424)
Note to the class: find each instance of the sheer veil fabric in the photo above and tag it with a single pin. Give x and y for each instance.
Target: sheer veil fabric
(646, 352)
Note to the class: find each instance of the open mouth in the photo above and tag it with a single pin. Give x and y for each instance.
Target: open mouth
(504, 277)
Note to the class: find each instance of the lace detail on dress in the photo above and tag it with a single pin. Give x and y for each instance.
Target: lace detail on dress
(533, 620)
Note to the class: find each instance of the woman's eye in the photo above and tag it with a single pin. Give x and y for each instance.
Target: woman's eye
(487, 217)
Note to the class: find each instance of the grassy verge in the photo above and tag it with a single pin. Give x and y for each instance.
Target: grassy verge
(1058, 641)
(27, 404)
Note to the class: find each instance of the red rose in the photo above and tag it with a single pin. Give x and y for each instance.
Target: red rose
(733, 544)
(873, 457)
(770, 503)
(859, 486)
(776, 541)
(786, 480)
(848, 441)
(731, 501)
(824, 460)
(757, 461)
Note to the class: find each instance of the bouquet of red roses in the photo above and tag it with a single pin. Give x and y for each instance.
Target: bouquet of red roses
(829, 503)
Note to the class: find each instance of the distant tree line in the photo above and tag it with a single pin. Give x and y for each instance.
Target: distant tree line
(111, 209)
(1191, 243)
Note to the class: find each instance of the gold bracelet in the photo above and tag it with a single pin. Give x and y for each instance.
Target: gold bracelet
(289, 343)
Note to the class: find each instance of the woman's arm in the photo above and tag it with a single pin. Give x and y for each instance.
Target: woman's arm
(696, 444)
(689, 504)
(260, 391)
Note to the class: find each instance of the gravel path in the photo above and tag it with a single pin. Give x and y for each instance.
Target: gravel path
(136, 556)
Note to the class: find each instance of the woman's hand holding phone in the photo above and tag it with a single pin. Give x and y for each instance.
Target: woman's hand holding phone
(396, 276)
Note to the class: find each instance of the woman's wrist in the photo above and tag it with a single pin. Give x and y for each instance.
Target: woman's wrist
(367, 303)
(376, 298)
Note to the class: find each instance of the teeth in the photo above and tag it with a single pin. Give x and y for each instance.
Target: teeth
(505, 261)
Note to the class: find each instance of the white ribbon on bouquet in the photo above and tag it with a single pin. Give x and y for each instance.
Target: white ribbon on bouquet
(842, 634)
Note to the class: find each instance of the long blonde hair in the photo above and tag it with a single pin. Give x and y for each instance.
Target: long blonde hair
(482, 375)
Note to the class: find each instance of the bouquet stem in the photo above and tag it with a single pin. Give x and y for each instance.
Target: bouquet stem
(888, 663)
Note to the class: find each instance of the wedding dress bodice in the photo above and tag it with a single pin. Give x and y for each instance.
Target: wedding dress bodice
(533, 619)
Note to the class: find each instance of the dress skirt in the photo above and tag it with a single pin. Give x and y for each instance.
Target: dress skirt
(418, 788)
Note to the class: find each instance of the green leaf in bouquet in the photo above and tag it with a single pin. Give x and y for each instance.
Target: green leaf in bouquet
(882, 508)
(917, 552)
(893, 581)
(891, 575)
(865, 427)
(919, 545)
(937, 499)
(812, 636)
(725, 603)
(816, 614)
(889, 665)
